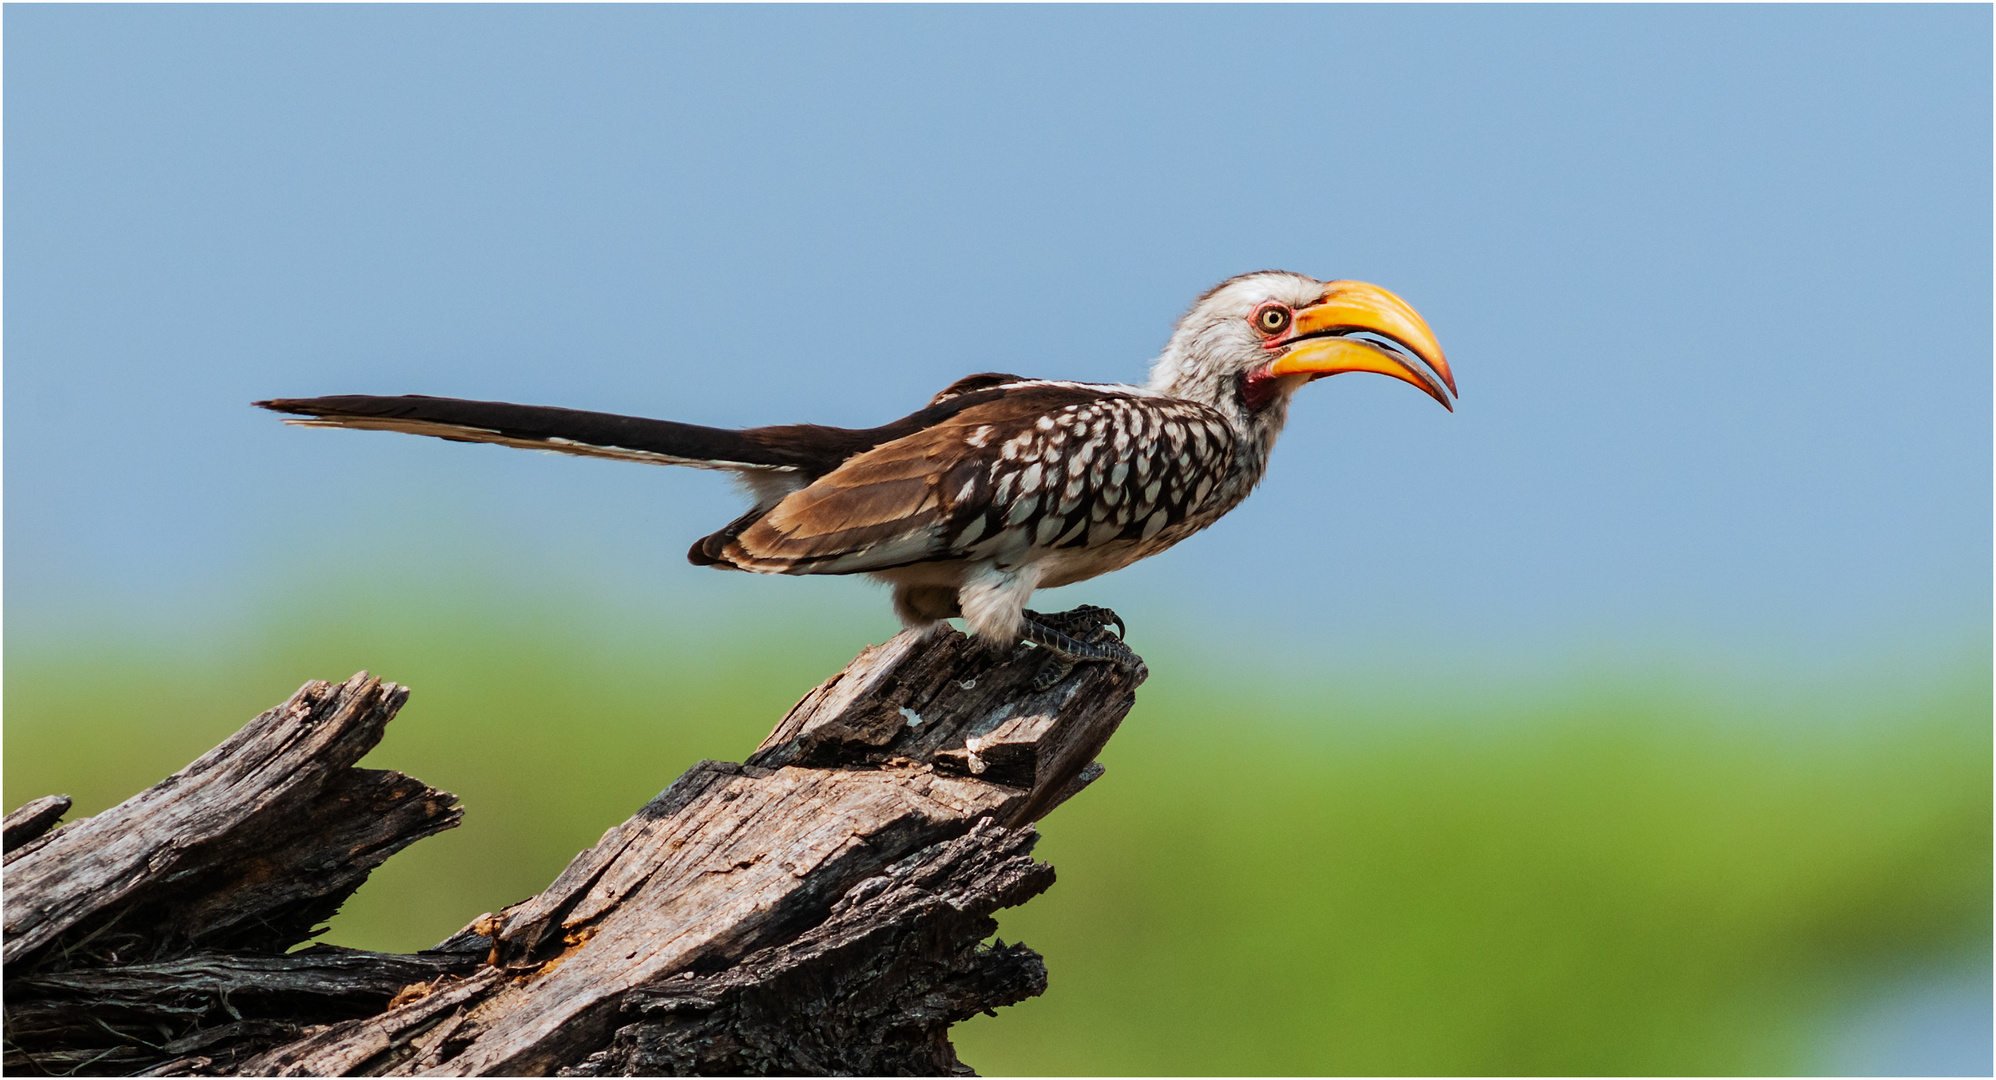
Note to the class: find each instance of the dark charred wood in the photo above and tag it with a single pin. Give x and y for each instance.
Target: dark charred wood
(150, 924)
(821, 908)
(219, 1006)
(249, 848)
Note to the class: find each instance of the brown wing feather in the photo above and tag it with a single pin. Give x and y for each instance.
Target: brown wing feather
(894, 504)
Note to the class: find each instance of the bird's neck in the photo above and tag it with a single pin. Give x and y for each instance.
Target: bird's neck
(1250, 412)
(1255, 427)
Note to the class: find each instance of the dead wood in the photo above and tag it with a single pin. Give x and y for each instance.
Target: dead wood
(820, 908)
(32, 819)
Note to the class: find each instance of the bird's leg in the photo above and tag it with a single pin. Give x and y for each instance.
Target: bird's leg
(1072, 637)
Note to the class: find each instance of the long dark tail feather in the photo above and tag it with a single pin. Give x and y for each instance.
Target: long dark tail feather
(802, 451)
(806, 449)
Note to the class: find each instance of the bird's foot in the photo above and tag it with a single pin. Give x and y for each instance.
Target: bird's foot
(1072, 637)
(1081, 621)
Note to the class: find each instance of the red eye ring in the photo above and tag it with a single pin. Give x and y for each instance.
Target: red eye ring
(1271, 319)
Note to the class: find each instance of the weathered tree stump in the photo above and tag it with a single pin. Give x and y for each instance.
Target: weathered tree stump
(820, 908)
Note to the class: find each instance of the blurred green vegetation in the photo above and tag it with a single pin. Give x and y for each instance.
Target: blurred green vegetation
(1282, 872)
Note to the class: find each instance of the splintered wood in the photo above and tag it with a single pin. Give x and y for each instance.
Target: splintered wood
(820, 908)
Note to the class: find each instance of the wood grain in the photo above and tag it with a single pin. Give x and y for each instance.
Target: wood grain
(821, 907)
(249, 847)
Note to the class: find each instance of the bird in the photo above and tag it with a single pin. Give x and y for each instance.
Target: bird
(1002, 484)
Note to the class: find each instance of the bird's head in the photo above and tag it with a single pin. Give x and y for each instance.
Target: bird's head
(1251, 341)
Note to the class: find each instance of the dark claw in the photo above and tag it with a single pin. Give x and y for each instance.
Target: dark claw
(1070, 637)
(1081, 622)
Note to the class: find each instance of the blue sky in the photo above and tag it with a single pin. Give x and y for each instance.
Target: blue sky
(1715, 281)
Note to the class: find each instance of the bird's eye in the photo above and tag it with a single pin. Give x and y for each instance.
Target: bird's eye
(1272, 320)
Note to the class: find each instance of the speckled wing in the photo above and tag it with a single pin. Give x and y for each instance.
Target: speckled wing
(1037, 465)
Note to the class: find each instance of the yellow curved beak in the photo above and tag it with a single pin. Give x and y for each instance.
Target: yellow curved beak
(1317, 345)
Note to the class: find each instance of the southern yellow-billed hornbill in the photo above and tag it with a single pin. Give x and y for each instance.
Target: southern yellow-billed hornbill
(1003, 484)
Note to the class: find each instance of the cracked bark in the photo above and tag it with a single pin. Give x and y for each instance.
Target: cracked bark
(819, 908)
